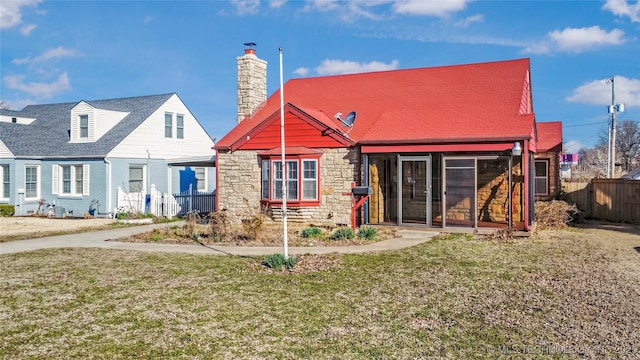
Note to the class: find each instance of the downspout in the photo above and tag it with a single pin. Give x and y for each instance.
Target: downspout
(217, 198)
(109, 194)
(525, 165)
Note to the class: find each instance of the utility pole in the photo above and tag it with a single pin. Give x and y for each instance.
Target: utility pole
(613, 127)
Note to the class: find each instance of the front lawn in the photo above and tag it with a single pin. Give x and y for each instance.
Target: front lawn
(568, 294)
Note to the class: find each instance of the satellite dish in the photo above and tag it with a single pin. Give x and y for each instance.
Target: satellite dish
(348, 120)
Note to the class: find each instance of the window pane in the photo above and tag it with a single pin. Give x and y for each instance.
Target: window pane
(168, 125)
(31, 181)
(66, 179)
(84, 126)
(5, 181)
(292, 180)
(309, 182)
(180, 126)
(78, 170)
(200, 183)
(135, 178)
(541, 186)
(265, 179)
(541, 168)
(277, 180)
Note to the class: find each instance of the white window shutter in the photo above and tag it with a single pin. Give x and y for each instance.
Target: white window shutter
(55, 173)
(85, 179)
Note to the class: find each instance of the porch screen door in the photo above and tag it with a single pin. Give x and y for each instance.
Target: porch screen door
(414, 184)
(460, 192)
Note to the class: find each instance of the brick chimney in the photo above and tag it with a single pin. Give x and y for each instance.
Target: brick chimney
(252, 82)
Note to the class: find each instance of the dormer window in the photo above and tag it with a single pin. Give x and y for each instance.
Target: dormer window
(84, 126)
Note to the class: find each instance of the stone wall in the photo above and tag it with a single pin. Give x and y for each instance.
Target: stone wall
(239, 188)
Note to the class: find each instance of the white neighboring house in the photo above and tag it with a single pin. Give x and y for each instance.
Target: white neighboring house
(72, 154)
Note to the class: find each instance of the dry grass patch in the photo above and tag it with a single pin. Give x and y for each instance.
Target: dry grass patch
(562, 294)
(249, 234)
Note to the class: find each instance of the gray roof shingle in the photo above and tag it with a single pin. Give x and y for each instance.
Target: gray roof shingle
(48, 135)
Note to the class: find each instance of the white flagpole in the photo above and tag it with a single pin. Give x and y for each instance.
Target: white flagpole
(284, 167)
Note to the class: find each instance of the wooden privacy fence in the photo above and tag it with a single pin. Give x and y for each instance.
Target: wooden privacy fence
(616, 200)
(156, 203)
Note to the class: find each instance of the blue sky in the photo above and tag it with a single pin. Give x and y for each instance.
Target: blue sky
(67, 51)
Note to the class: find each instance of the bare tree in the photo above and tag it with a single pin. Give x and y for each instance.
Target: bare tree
(4, 105)
(592, 162)
(627, 144)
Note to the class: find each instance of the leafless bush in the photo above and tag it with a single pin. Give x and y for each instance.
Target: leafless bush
(557, 214)
(253, 226)
(219, 225)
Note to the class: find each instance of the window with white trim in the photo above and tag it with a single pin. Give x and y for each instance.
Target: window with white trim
(302, 180)
(5, 175)
(201, 178)
(541, 177)
(179, 126)
(168, 125)
(84, 127)
(32, 182)
(71, 180)
(136, 178)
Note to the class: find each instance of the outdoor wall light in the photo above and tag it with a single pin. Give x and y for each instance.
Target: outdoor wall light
(517, 149)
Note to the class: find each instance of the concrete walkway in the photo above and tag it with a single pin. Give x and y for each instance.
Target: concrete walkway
(104, 239)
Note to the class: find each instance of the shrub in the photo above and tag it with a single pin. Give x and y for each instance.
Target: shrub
(277, 261)
(155, 237)
(253, 226)
(343, 233)
(7, 210)
(311, 232)
(219, 225)
(290, 262)
(367, 232)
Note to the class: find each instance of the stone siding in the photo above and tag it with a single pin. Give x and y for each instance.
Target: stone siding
(252, 84)
(239, 185)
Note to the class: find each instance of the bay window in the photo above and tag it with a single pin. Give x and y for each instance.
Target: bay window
(302, 181)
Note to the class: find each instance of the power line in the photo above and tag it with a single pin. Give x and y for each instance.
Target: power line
(579, 125)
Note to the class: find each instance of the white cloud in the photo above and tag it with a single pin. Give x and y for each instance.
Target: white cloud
(464, 23)
(51, 54)
(598, 92)
(148, 19)
(303, 71)
(27, 29)
(572, 147)
(11, 12)
(577, 40)
(335, 67)
(38, 89)
(246, 7)
(622, 8)
(429, 8)
(322, 5)
(274, 4)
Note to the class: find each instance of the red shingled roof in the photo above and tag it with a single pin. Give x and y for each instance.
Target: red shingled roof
(549, 136)
(460, 103)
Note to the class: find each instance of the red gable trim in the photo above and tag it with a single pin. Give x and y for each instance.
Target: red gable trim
(274, 119)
